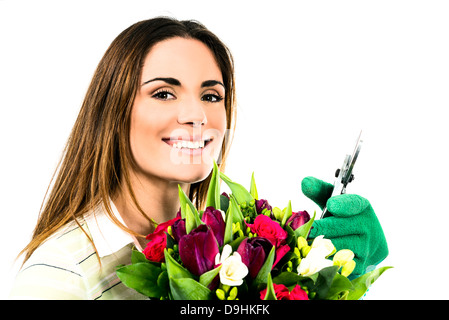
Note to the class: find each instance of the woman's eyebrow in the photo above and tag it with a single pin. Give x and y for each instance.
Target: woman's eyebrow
(172, 81)
(176, 82)
(211, 83)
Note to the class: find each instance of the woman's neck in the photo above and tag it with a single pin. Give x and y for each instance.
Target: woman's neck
(159, 200)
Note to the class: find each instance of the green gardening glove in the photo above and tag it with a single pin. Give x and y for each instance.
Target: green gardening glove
(352, 224)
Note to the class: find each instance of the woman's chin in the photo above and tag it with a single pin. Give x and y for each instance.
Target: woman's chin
(191, 173)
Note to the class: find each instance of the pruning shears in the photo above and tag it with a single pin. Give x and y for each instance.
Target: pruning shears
(344, 175)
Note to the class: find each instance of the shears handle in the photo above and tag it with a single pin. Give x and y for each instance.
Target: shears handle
(344, 175)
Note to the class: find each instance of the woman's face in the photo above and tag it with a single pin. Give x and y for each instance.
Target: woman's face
(178, 120)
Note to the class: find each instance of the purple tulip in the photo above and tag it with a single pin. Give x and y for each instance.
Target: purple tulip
(178, 229)
(198, 249)
(298, 219)
(254, 252)
(214, 219)
(226, 195)
(261, 205)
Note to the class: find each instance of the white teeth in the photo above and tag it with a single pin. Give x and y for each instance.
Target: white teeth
(189, 144)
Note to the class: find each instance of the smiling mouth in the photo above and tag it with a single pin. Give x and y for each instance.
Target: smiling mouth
(189, 144)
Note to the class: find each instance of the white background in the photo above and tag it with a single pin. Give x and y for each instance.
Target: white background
(310, 75)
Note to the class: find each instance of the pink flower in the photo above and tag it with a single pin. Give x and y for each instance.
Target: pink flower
(269, 229)
(154, 251)
(298, 294)
(282, 293)
(280, 252)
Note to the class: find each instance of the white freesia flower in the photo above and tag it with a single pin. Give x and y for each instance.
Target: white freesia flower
(316, 258)
(342, 257)
(325, 245)
(314, 262)
(233, 270)
(226, 252)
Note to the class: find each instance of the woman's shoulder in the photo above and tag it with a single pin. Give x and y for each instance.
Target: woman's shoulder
(68, 242)
(54, 267)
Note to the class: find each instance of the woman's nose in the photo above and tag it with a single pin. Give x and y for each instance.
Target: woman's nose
(192, 113)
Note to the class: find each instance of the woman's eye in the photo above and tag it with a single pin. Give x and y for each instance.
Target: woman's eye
(211, 98)
(164, 95)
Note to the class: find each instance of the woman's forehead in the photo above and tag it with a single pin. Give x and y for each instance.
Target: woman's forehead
(183, 59)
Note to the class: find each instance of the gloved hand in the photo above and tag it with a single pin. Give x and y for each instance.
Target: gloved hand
(352, 224)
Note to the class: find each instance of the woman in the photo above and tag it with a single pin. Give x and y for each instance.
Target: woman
(155, 115)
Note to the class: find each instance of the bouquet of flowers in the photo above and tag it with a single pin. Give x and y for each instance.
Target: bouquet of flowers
(241, 248)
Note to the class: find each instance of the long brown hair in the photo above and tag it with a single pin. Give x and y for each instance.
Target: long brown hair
(97, 155)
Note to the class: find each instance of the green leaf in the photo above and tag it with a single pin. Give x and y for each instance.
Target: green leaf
(303, 231)
(362, 283)
(188, 289)
(213, 193)
(174, 269)
(185, 201)
(224, 203)
(339, 288)
(287, 214)
(137, 256)
(253, 188)
(261, 278)
(162, 280)
(228, 235)
(237, 215)
(287, 278)
(271, 294)
(142, 277)
(323, 282)
(240, 193)
(207, 277)
(192, 220)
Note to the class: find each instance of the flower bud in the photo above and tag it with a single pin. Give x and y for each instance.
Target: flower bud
(342, 257)
(296, 251)
(169, 231)
(348, 268)
(233, 293)
(278, 214)
(225, 288)
(302, 242)
(305, 250)
(220, 294)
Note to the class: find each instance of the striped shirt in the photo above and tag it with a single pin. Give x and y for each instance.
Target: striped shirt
(66, 266)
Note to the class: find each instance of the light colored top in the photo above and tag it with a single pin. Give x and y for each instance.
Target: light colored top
(66, 265)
